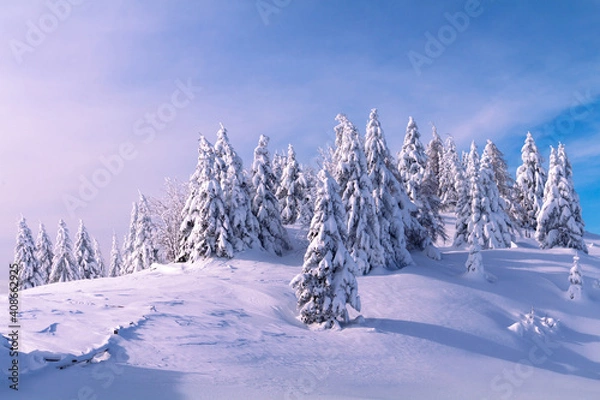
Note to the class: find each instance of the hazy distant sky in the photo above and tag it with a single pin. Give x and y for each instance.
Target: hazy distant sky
(81, 91)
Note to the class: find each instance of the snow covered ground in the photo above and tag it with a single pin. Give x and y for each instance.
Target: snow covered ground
(228, 329)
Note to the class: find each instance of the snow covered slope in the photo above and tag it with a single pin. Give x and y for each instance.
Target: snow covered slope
(228, 329)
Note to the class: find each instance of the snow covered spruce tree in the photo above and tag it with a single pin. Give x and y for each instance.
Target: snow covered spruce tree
(44, 254)
(272, 235)
(144, 251)
(474, 263)
(84, 255)
(497, 227)
(166, 213)
(308, 199)
(503, 179)
(326, 284)
(25, 257)
(236, 194)
(465, 188)
(412, 163)
(129, 240)
(291, 189)
(433, 169)
(99, 258)
(386, 193)
(116, 262)
(64, 267)
(559, 222)
(362, 224)
(451, 170)
(277, 166)
(575, 280)
(211, 233)
(529, 186)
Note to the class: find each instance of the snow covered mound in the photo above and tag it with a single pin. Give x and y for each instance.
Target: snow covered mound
(229, 329)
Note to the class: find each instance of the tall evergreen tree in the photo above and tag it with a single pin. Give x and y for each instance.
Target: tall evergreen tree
(272, 235)
(25, 257)
(421, 187)
(433, 169)
(129, 241)
(386, 193)
(467, 188)
(84, 254)
(501, 176)
(497, 225)
(326, 284)
(236, 194)
(449, 166)
(145, 250)
(529, 186)
(307, 206)
(211, 234)
(64, 267)
(44, 255)
(356, 188)
(291, 189)
(559, 222)
(116, 262)
(99, 259)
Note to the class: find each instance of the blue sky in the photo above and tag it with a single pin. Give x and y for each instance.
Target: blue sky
(83, 89)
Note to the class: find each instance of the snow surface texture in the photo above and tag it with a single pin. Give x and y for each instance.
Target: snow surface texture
(229, 329)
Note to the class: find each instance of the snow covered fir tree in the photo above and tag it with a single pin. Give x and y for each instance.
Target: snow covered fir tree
(44, 254)
(363, 240)
(559, 222)
(265, 207)
(529, 186)
(85, 255)
(64, 266)
(25, 257)
(326, 284)
(291, 191)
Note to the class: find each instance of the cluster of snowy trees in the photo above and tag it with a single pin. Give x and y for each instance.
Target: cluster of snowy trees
(40, 263)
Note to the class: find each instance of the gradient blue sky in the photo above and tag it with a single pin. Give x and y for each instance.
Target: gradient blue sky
(76, 96)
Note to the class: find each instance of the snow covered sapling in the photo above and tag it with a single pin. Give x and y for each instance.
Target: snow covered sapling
(386, 193)
(25, 257)
(64, 267)
(326, 284)
(475, 263)
(575, 280)
(362, 224)
(116, 262)
(44, 254)
(272, 235)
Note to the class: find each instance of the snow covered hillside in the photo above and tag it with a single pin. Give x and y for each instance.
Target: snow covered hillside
(228, 329)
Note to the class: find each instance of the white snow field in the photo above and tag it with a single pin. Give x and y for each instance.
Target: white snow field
(227, 329)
